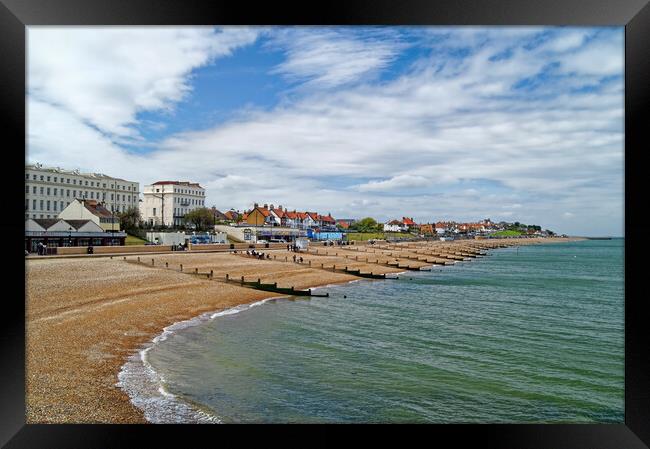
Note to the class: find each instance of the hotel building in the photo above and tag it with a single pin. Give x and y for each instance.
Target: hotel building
(49, 190)
(167, 202)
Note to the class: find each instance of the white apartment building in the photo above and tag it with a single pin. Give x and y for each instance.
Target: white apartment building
(49, 190)
(167, 202)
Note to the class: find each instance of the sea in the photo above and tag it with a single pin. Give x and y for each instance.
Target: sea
(529, 334)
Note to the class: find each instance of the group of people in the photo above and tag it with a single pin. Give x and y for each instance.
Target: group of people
(297, 259)
(259, 255)
(41, 249)
(179, 247)
(293, 248)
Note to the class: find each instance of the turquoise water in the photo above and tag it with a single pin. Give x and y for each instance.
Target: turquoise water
(528, 334)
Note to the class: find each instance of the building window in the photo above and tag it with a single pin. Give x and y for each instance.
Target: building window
(123, 197)
(92, 184)
(74, 193)
(54, 204)
(56, 179)
(48, 205)
(154, 211)
(104, 185)
(26, 189)
(34, 178)
(61, 205)
(34, 205)
(112, 197)
(34, 190)
(55, 192)
(86, 182)
(48, 179)
(42, 203)
(92, 195)
(103, 196)
(67, 192)
(74, 181)
(27, 176)
(68, 180)
(48, 190)
(26, 204)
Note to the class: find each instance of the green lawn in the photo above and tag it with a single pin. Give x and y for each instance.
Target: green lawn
(507, 234)
(133, 240)
(361, 236)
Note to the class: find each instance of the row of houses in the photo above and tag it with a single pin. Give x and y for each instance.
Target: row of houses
(269, 215)
(407, 224)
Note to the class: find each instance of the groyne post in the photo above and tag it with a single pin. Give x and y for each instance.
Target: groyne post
(227, 277)
(152, 262)
(181, 267)
(166, 264)
(242, 280)
(211, 274)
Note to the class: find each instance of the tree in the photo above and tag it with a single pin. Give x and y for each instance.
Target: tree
(367, 224)
(201, 218)
(129, 219)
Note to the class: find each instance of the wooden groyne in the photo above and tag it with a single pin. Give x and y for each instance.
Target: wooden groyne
(321, 266)
(377, 262)
(258, 285)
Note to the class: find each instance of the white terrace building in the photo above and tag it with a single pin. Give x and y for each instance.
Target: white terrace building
(167, 202)
(49, 190)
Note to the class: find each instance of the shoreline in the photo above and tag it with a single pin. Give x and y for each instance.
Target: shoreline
(143, 384)
(78, 345)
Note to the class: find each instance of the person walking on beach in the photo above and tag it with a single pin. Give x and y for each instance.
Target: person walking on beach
(294, 258)
(300, 259)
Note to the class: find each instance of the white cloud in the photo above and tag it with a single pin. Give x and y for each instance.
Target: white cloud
(330, 57)
(105, 76)
(395, 183)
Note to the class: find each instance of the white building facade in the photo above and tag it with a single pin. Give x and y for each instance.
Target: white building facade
(49, 190)
(167, 202)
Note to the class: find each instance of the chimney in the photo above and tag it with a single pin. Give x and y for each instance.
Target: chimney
(266, 206)
(255, 205)
(271, 206)
(280, 207)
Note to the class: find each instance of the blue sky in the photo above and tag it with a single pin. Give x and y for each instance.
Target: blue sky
(508, 123)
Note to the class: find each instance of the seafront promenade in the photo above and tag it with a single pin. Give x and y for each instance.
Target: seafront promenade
(86, 315)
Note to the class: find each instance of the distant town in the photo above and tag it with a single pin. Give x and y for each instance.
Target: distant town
(70, 208)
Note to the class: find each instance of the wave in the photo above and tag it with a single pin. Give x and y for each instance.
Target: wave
(146, 387)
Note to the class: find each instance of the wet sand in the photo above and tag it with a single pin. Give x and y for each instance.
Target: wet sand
(86, 316)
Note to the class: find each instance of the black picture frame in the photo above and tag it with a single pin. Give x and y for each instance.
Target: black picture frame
(16, 15)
